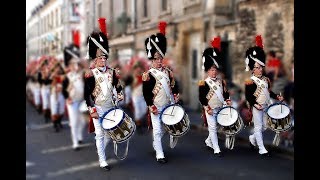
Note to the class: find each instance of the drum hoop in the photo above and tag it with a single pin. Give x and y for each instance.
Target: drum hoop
(160, 117)
(277, 103)
(102, 117)
(224, 108)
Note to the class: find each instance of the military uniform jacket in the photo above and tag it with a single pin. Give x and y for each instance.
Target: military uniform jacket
(71, 85)
(207, 95)
(92, 88)
(252, 91)
(153, 91)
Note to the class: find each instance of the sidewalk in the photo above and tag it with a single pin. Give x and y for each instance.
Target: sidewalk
(243, 136)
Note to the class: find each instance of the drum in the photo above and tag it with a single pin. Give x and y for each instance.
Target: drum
(83, 107)
(279, 118)
(175, 120)
(229, 120)
(118, 124)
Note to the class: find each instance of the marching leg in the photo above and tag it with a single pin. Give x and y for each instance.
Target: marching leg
(212, 128)
(72, 112)
(258, 128)
(100, 144)
(157, 136)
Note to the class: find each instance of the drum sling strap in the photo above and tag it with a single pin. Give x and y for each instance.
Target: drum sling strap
(163, 78)
(217, 89)
(263, 84)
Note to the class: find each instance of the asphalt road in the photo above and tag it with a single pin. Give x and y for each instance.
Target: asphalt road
(49, 155)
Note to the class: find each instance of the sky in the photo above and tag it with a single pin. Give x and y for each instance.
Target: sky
(30, 5)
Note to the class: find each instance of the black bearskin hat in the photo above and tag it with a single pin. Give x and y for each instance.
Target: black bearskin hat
(255, 54)
(211, 56)
(97, 40)
(69, 52)
(157, 42)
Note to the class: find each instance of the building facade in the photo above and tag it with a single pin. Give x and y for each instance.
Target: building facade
(51, 27)
(191, 24)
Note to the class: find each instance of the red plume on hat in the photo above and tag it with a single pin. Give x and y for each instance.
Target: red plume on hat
(103, 25)
(259, 41)
(216, 43)
(76, 37)
(162, 27)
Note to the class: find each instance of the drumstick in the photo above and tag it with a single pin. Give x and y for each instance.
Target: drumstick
(168, 114)
(110, 119)
(230, 109)
(280, 105)
(172, 110)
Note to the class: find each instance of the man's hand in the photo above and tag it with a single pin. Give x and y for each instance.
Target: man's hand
(154, 109)
(209, 110)
(93, 112)
(69, 101)
(120, 96)
(280, 98)
(176, 97)
(258, 106)
(94, 115)
(228, 101)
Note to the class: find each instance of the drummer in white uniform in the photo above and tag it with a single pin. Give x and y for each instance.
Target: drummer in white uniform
(73, 91)
(258, 93)
(157, 91)
(98, 92)
(213, 93)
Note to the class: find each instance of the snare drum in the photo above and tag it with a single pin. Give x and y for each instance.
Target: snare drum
(229, 120)
(279, 118)
(118, 124)
(175, 120)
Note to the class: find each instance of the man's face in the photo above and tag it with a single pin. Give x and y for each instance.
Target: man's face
(257, 69)
(212, 72)
(157, 61)
(74, 66)
(101, 59)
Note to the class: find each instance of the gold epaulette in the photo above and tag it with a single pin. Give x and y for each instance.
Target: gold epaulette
(88, 73)
(145, 76)
(248, 81)
(201, 83)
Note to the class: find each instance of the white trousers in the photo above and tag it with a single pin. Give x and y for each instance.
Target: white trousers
(45, 95)
(76, 122)
(140, 107)
(158, 132)
(36, 95)
(212, 139)
(260, 124)
(57, 104)
(102, 138)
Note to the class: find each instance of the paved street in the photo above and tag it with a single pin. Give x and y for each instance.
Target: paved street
(49, 155)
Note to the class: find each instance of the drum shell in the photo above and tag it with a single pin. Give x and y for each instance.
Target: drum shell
(181, 127)
(232, 129)
(123, 130)
(281, 124)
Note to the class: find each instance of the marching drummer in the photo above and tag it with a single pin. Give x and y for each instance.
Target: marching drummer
(73, 91)
(159, 88)
(258, 93)
(213, 92)
(99, 84)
